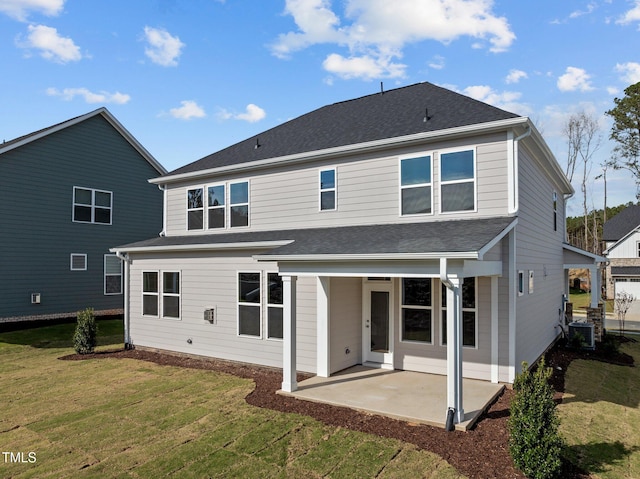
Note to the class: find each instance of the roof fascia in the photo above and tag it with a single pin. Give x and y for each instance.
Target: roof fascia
(495, 240)
(246, 245)
(365, 257)
(328, 153)
(107, 116)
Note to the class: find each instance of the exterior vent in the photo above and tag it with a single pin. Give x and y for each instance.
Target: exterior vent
(586, 331)
(35, 298)
(210, 316)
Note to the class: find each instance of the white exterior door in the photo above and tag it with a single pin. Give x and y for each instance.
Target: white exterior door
(377, 323)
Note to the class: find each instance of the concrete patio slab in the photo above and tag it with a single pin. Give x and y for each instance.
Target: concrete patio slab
(405, 395)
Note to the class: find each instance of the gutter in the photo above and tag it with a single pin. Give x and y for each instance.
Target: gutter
(124, 257)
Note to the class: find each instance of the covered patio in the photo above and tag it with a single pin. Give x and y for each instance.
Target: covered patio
(405, 395)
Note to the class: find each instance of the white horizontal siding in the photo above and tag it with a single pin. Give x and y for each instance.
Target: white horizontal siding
(211, 282)
(627, 249)
(367, 191)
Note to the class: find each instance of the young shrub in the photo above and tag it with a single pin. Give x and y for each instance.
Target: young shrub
(535, 443)
(84, 338)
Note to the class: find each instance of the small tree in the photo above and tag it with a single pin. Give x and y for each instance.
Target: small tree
(535, 443)
(84, 338)
(623, 302)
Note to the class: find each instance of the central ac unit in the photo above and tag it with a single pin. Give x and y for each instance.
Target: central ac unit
(586, 331)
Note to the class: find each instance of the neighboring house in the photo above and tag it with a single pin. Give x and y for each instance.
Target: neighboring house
(413, 229)
(67, 193)
(621, 235)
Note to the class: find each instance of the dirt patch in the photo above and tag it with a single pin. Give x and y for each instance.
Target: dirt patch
(480, 453)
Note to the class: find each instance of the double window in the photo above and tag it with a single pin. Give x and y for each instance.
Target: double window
(417, 318)
(92, 206)
(235, 195)
(161, 294)
(250, 300)
(457, 181)
(469, 313)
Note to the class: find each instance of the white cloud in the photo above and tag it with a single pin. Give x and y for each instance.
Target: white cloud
(632, 15)
(575, 79)
(69, 94)
(506, 100)
(19, 9)
(163, 49)
(51, 45)
(515, 76)
(252, 114)
(375, 31)
(630, 72)
(578, 13)
(189, 109)
(437, 63)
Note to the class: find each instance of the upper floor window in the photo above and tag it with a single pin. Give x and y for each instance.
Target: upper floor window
(638, 249)
(216, 206)
(195, 209)
(555, 211)
(328, 190)
(457, 181)
(239, 204)
(92, 206)
(415, 185)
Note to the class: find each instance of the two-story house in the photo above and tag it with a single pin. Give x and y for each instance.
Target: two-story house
(621, 235)
(413, 229)
(68, 193)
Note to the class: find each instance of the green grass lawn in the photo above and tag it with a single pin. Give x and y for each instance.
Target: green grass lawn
(583, 300)
(123, 418)
(600, 416)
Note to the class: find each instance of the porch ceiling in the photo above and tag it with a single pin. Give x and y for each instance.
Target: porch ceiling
(404, 395)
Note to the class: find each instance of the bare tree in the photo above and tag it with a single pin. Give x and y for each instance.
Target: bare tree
(623, 302)
(583, 138)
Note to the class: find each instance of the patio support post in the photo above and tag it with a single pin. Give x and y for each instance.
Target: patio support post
(289, 379)
(495, 333)
(322, 313)
(595, 285)
(454, 349)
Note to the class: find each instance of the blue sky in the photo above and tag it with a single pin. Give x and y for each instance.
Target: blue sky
(190, 77)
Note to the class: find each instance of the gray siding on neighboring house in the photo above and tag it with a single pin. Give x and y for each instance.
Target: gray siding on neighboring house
(539, 249)
(211, 281)
(367, 190)
(38, 235)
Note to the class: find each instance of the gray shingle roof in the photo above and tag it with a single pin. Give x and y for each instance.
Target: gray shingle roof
(625, 270)
(621, 224)
(394, 113)
(456, 236)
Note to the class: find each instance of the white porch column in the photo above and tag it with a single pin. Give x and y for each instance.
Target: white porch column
(323, 287)
(595, 285)
(513, 281)
(454, 349)
(495, 336)
(289, 380)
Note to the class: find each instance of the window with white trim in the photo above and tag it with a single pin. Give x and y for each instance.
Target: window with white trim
(239, 204)
(171, 294)
(417, 318)
(469, 313)
(638, 248)
(112, 274)
(150, 296)
(92, 206)
(78, 262)
(216, 207)
(520, 283)
(195, 209)
(555, 211)
(328, 190)
(275, 306)
(457, 181)
(416, 193)
(249, 305)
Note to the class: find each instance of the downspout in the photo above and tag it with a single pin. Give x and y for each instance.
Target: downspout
(163, 188)
(124, 257)
(455, 411)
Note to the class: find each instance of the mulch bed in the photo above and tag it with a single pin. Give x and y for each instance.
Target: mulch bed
(480, 453)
